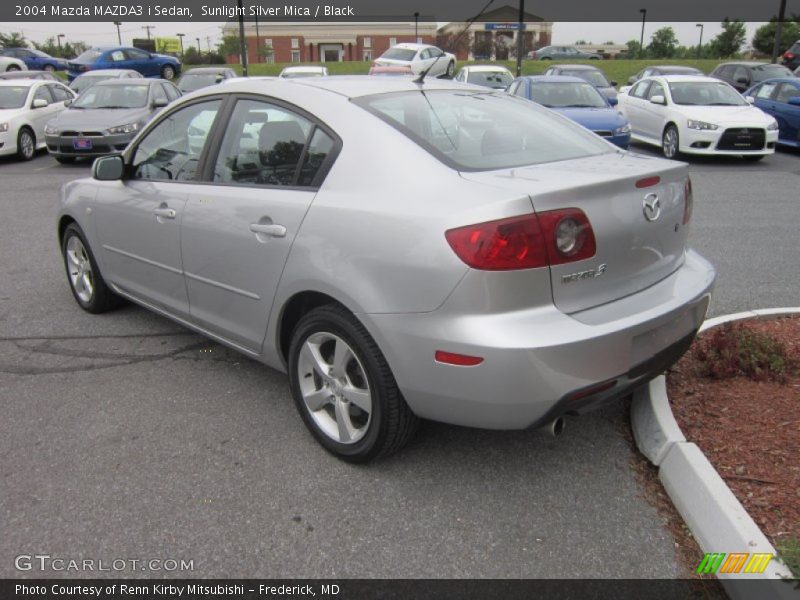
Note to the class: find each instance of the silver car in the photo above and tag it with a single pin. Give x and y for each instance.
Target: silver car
(475, 259)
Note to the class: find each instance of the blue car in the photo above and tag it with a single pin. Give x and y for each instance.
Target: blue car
(780, 98)
(578, 100)
(35, 60)
(116, 57)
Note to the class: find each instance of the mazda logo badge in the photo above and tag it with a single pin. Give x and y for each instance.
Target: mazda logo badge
(651, 207)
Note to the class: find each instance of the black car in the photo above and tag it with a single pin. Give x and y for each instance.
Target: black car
(791, 58)
(744, 75)
(30, 75)
(201, 77)
(664, 70)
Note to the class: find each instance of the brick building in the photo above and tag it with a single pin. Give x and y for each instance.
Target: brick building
(326, 42)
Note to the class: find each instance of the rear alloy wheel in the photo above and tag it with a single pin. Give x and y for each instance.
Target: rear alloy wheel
(344, 389)
(49, 68)
(26, 144)
(670, 142)
(87, 285)
(13, 68)
(451, 69)
(168, 73)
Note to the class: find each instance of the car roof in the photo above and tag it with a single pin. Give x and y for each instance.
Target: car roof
(554, 79)
(304, 69)
(411, 46)
(746, 63)
(487, 68)
(201, 70)
(132, 81)
(106, 72)
(18, 82)
(794, 80)
(678, 78)
(577, 67)
(350, 86)
(676, 67)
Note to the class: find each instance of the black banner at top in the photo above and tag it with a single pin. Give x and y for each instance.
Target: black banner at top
(389, 10)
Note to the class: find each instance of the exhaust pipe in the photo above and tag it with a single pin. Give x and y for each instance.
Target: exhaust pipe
(555, 427)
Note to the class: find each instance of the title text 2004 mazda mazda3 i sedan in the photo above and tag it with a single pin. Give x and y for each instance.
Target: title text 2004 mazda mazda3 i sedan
(521, 268)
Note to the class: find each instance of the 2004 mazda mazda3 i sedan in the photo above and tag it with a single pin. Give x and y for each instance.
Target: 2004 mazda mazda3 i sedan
(404, 250)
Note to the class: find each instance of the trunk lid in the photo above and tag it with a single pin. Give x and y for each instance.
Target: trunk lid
(633, 251)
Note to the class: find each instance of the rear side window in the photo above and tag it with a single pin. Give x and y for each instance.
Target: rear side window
(787, 91)
(478, 131)
(263, 145)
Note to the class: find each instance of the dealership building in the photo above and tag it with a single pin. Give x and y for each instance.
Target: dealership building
(494, 36)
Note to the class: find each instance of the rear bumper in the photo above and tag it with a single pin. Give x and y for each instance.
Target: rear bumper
(540, 363)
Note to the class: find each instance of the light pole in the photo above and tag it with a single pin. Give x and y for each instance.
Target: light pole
(776, 46)
(416, 27)
(119, 35)
(242, 40)
(148, 28)
(199, 52)
(520, 36)
(258, 41)
(180, 37)
(58, 38)
(641, 38)
(700, 45)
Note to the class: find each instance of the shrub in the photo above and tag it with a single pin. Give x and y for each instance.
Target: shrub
(734, 350)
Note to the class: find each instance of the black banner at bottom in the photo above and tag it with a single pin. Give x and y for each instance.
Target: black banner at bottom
(388, 589)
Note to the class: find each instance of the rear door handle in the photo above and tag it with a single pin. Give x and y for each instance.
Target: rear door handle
(270, 229)
(166, 213)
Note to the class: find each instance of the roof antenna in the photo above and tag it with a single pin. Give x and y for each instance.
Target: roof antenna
(421, 78)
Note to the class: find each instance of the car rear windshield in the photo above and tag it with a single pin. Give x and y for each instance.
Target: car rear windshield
(769, 71)
(195, 81)
(679, 71)
(481, 131)
(593, 77)
(492, 79)
(567, 95)
(113, 96)
(705, 93)
(89, 56)
(13, 96)
(399, 54)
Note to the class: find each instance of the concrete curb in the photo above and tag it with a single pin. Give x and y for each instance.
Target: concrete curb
(715, 517)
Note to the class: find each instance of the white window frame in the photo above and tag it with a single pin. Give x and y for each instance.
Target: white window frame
(419, 40)
(367, 55)
(295, 43)
(296, 55)
(392, 41)
(367, 42)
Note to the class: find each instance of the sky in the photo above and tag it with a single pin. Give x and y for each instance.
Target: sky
(563, 33)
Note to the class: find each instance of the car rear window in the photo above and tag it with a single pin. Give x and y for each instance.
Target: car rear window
(89, 56)
(593, 77)
(495, 79)
(481, 131)
(769, 71)
(399, 54)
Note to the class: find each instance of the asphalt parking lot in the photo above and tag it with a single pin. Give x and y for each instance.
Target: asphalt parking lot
(126, 436)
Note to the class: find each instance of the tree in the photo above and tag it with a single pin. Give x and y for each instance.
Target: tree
(265, 51)
(730, 39)
(229, 45)
(634, 49)
(580, 43)
(12, 40)
(764, 37)
(663, 43)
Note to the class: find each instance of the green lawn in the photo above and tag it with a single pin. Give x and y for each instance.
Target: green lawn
(618, 70)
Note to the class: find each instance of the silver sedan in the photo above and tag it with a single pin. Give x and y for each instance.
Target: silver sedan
(472, 259)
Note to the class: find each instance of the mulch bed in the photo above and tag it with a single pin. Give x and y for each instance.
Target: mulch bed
(748, 429)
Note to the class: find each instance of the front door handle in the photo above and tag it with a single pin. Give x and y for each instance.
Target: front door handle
(166, 213)
(270, 229)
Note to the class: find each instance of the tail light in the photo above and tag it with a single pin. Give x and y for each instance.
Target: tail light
(525, 242)
(688, 205)
(788, 55)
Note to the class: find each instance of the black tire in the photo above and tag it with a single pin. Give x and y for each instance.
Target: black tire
(102, 299)
(391, 424)
(26, 144)
(168, 72)
(667, 148)
(13, 68)
(753, 158)
(49, 68)
(546, 58)
(64, 160)
(451, 70)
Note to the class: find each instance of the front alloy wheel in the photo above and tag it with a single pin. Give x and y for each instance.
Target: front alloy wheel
(344, 389)
(85, 281)
(26, 145)
(670, 143)
(168, 73)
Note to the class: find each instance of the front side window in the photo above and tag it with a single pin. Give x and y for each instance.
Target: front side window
(640, 89)
(59, 92)
(765, 91)
(479, 131)
(263, 145)
(159, 93)
(656, 90)
(42, 93)
(171, 150)
(172, 91)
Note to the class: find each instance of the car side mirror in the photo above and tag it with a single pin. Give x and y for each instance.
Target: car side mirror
(108, 168)
(750, 99)
(794, 101)
(67, 102)
(39, 103)
(160, 102)
(613, 101)
(613, 83)
(659, 99)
